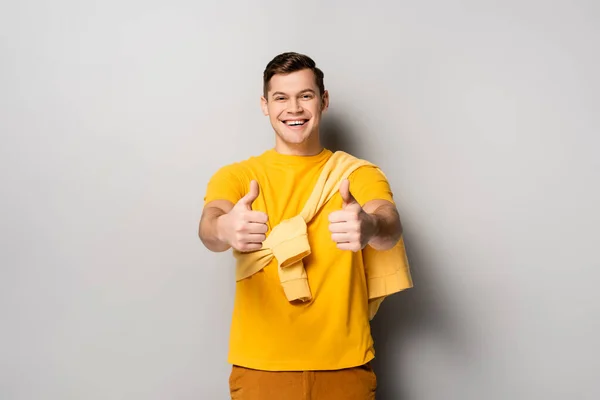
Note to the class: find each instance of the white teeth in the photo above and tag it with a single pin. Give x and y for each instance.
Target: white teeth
(294, 123)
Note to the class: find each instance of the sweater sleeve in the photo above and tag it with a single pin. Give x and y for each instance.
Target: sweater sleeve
(388, 271)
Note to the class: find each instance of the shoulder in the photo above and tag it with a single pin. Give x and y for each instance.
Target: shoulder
(231, 170)
(241, 168)
(367, 175)
(368, 182)
(230, 181)
(366, 171)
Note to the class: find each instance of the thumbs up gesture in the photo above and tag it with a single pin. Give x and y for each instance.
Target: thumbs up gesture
(351, 227)
(242, 228)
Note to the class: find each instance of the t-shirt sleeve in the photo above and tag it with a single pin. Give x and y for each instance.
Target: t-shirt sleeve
(227, 183)
(369, 183)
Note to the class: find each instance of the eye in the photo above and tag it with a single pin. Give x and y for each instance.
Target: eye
(307, 96)
(279, 98)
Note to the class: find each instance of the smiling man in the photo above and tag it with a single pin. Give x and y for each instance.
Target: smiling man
(301, 323)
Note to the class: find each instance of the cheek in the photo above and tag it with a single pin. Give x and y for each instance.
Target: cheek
(275, 112)
(314, 109)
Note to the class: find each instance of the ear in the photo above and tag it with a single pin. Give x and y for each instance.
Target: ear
(263, 105)
(325, 101)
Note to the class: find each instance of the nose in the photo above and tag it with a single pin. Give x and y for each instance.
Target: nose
(295, 106)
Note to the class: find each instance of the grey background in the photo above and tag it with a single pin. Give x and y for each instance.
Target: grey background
(114, 114)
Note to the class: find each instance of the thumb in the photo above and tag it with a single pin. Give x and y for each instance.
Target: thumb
(345, 193)
(249, 198)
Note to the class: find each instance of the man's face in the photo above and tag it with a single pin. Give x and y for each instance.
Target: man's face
(294, 108)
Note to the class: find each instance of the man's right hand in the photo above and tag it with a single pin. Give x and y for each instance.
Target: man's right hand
(242, 228)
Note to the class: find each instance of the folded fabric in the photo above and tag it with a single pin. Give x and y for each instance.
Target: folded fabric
(387, 271)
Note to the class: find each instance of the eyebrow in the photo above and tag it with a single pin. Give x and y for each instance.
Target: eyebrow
(302, 91)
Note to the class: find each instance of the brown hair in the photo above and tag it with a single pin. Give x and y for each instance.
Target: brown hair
(286, 63)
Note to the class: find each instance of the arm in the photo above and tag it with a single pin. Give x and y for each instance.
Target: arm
(377, 223)
(223, 190)
(209, 229)
(224, 224)
(387, 227)
(382, 228)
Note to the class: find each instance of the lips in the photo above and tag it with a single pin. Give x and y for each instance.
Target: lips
(295, 122)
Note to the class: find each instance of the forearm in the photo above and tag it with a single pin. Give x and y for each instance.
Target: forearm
(388, 228)
(208, 230)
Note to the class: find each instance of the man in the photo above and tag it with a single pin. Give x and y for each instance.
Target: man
(319, 348)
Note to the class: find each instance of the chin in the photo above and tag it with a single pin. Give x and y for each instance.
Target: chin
(294, 136)
(293, 139)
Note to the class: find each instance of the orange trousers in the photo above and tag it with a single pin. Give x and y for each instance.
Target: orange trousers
(358, 383)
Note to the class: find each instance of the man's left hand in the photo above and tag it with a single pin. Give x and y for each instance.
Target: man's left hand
(351, 227)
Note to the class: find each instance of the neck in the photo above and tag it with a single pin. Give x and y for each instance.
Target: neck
(308, 148)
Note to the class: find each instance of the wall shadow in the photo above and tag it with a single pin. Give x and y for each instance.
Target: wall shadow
(335, 135)
(402, 316)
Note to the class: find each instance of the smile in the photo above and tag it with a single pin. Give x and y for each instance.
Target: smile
(296, 122)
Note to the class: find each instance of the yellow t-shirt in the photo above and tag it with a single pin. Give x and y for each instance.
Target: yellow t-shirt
(331, 331)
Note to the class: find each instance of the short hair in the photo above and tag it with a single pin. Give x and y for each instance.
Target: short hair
(286, 63)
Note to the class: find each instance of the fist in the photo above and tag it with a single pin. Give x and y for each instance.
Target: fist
(242, 228)
(351, 227)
